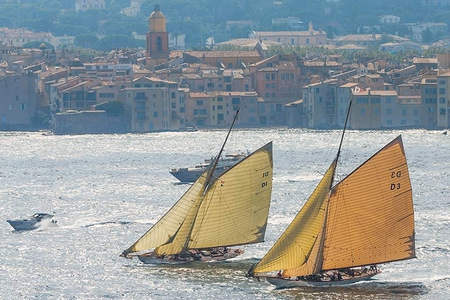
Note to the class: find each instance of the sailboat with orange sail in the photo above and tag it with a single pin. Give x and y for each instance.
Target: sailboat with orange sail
(344, 230)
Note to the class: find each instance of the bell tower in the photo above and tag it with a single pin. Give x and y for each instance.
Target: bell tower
(157, 36)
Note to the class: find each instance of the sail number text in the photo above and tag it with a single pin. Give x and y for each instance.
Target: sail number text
(264, 184)
(395, 175)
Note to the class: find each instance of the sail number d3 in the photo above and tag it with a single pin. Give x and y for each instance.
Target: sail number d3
(395, 175)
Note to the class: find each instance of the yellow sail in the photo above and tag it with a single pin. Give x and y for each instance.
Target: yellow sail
(370, 213)
(295, 246)
(167, 227)
(235, 208)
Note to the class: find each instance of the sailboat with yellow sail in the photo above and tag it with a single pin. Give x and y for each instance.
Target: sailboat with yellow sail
(213, 214)
(343, 231)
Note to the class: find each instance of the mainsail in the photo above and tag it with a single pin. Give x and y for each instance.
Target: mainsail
(232, 211)
(368, 218)
(371, 214)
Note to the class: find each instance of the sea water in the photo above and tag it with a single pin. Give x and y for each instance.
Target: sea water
(107, 190)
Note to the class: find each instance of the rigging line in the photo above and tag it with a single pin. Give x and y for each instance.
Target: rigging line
(343, 131)
(212, 169)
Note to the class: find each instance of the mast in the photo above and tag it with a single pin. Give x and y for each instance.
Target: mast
(216, 160)
(208, 179)
(345, 124)
(319, 261)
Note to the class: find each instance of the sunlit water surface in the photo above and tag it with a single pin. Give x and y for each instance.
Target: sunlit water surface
(107, 190)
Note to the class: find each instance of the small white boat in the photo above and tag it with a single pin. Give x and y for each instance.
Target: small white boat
(32, 222)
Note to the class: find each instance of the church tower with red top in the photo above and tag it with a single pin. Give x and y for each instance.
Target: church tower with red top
(157, 36)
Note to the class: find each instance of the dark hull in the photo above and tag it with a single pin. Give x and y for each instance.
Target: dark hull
(292, 283)
(151, 258)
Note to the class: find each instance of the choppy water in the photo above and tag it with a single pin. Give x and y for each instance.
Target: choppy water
(106, 190)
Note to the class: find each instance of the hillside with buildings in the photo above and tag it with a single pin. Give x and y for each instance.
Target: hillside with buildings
(110, 24)
(295, 78)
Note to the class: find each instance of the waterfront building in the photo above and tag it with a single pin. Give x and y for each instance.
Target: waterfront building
(153, 104)
(18, 101)
(217, 109)
(428, 87)
(443, 99)
(320, 104)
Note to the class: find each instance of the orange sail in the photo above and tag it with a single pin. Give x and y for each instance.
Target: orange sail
(370, 216)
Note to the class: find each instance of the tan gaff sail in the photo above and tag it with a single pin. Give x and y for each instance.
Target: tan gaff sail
(167, 227)
(233, 211)
(235, 208)
(295, 245)
(370, 213)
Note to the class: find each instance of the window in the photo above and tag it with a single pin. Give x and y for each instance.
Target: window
(442, 100)
(210, 85)
(199, 102)
(22, 106)
(388, 99)
(140, 95)
(389, 122)
(389, 111)
(441, 82)
(362, 100)
(106, 95)
(236, 101)
(174, 105)
(363, 111)
(219, 99)
(375, 100)
(155, 114)
(403, 122)
(159, 43)
(441, 91)
(267, 76)
(173, 95)
(228, 79)
(404, 112)
(442, 111)
(246, 87)
(219, 107)
(228, 88)
(272, 76)
(292, 41)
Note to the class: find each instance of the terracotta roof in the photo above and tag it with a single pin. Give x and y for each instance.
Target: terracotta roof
(349, 84)
(201, 54)
(299, 101)
(423, 60)
(375, 93)
(287, 33)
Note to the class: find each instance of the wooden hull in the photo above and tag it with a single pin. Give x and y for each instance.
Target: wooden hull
(283, 283)
(151, 258)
